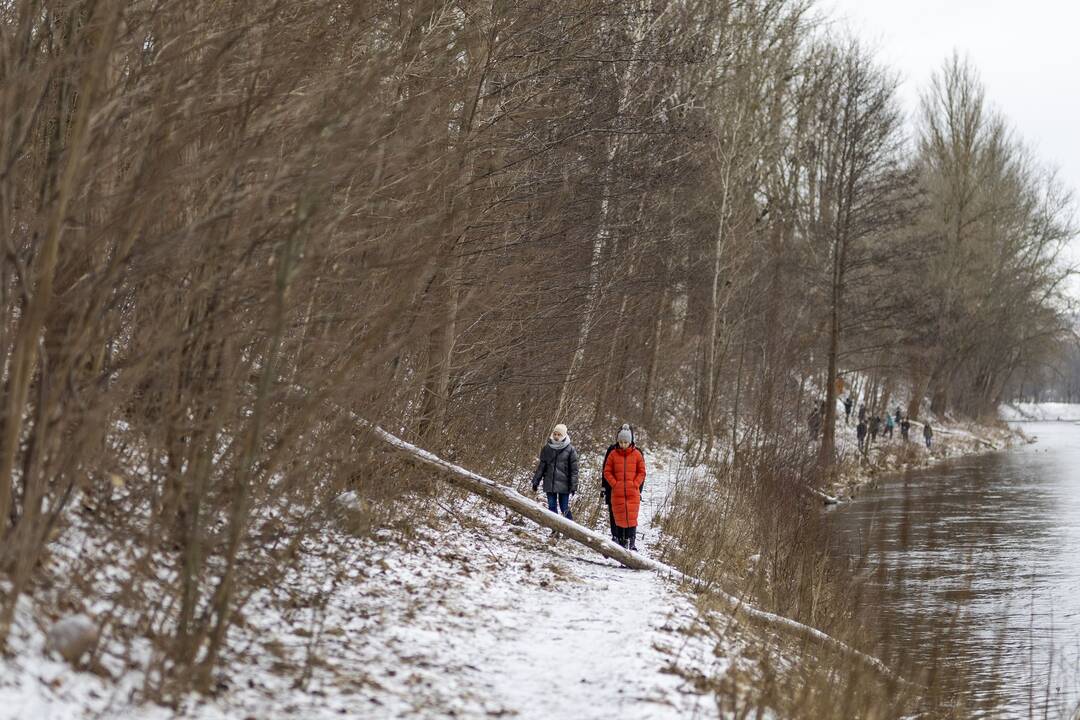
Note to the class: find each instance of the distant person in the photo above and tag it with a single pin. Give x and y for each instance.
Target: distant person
(898, 416)
(862, 412)
(605, 489)
(905, 428)
(849, 403)
(558, 470)
(624, 471)
(860, 435)
(928, 434)
(889, 425)
(875, 426)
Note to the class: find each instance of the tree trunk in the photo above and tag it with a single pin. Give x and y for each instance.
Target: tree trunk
(918, 390)
(654, 359)
(25, 351)
(441, 351)
(448, 278)
(828, 438)
(707, 421)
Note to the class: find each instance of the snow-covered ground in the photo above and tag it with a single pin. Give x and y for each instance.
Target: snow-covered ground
(1040, 412)
(480, 616)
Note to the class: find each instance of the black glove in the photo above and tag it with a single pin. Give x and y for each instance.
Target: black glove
(536, 486)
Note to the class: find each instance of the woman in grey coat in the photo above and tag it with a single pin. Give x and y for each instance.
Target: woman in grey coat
(558, 470)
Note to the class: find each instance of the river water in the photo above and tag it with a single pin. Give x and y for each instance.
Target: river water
(974, 566)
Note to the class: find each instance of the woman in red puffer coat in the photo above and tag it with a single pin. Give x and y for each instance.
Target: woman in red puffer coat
(624, 471)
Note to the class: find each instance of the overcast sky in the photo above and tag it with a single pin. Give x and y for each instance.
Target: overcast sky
(1027, 53)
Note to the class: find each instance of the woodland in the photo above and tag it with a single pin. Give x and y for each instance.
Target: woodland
(231, 228)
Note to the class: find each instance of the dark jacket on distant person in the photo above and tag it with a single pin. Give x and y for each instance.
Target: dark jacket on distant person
(557, 468)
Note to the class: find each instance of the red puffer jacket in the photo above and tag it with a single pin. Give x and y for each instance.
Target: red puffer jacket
(625, 473)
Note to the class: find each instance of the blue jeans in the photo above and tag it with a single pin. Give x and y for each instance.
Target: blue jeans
(560, 503)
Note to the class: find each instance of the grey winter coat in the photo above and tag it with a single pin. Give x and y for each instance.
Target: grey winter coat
(558, 469)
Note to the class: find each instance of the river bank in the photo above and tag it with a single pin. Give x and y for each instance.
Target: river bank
(856, 469)
(967, 564)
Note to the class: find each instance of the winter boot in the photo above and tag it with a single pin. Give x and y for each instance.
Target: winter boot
(631, 534)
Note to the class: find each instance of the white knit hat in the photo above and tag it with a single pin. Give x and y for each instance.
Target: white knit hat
(561, 429)
(625, 435)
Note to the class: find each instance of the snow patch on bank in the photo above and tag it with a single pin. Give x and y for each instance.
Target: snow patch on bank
(1040, 412)
(894, 454)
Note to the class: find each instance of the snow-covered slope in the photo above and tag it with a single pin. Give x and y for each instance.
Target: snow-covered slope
(479, 616)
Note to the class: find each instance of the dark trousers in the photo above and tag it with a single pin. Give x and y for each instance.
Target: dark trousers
(560, 503)
(626, 536)
(610, 514)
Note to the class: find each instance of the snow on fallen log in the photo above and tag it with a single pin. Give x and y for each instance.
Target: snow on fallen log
(969, 435)
(510, 498)
(824, 497)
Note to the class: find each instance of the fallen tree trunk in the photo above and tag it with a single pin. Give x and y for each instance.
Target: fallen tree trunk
(510, 498)
(824, 497)
(964, 433)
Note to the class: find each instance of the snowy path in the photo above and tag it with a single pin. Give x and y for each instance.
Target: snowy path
(589, 648)
(561, 632)
(499, 620)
